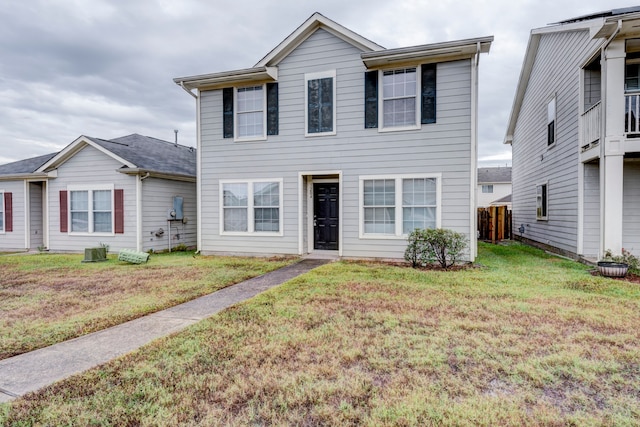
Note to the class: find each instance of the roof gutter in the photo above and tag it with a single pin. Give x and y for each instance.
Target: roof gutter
(187, 90)
(146, 173)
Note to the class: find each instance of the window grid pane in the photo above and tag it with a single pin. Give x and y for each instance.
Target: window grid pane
(399, 97)
(419, 202)
(235, 219)
(250, 102)
(379, 197)
(266, 195)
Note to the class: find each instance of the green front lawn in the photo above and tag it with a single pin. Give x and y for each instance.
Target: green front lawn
(49, 298)
(526, 339)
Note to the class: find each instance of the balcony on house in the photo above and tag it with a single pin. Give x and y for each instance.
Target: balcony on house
(591, 119)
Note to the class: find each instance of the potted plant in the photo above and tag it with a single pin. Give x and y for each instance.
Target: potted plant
(617, 265)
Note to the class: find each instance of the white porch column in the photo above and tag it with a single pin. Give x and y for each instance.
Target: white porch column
(613, 161)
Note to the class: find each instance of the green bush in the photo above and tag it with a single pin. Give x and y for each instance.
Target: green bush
(430, 246)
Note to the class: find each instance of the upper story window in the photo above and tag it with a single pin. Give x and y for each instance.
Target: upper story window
(551, 121)
(251, 207)
(320, 93)
(91, 211)
(250, 112)
(402, 99)
(399, 98)
(541, 201)
(487, 188)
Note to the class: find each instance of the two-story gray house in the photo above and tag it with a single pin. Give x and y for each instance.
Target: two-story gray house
(334, 143)
(575, 136)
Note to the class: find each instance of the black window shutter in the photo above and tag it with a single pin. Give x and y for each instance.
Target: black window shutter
(272, 108)
(371, 99)
(428, 93)
(227, 112)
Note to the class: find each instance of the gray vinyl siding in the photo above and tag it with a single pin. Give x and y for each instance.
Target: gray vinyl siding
(591, 243)
(157, 200)
(631, 196)
(443, 147)
(90, 166)
(14, 240)
(556, 70)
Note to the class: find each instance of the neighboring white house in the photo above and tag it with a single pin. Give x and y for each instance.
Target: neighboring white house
(334, 143)
(119, 192)
(574, 131)
(494, 186)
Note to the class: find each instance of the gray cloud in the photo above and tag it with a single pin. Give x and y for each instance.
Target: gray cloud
(104, 68)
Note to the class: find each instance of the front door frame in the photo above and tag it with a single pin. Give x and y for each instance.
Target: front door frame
(305, 188)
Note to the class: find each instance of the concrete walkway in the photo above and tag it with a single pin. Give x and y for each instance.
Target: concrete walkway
(31, 371)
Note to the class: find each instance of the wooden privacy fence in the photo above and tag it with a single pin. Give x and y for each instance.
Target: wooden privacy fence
(494, 223)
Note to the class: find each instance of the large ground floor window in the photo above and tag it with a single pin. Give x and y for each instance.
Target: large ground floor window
(91, 210)
(394, 206)
(251, 206)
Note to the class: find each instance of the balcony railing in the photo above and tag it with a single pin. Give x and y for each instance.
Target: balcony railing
(590, 129)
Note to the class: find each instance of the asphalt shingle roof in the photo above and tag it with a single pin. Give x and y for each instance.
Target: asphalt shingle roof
(152, 154)
(26, 165)
(494, 175)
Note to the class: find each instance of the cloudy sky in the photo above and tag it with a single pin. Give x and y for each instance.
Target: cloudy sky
(104, 68)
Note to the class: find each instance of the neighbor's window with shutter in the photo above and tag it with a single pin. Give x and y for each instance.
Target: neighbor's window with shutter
(91, 211)
(541, 201)
(320, 97)
(1, 212)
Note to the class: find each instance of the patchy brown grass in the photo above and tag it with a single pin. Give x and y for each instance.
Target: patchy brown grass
(525, 340)
(46, 299)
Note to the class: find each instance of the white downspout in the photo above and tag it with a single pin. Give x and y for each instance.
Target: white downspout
(603, 131)
(473, 180)
(198, 176)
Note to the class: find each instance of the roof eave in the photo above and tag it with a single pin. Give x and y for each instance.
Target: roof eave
(158, 174)
(436, 52)
(23, 176)
(227, 78)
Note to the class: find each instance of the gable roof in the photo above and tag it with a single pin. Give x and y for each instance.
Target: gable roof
(502, 200)
(600, 25)
(373, 55)
(310, 26)
(496, 175)
(137, 153)
(24, 167)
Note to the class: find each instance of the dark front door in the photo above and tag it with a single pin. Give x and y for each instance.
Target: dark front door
(325, 216)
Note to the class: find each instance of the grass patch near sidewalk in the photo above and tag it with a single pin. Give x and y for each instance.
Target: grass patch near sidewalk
(49, 298)
(526, 339)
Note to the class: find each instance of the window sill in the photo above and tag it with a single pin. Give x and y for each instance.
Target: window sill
(80, 233)
(382, 237)
(399, 128)
(251, 139)
(317, 134)
(250, 234)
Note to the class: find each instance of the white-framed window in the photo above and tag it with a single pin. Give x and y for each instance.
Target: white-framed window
(251, 206)
(487, 188)
(551, 121)
(319, 96)
(542, 201)
(399, 104)
(393, 206)
(91, 210)
(2, 226)
(250, 111)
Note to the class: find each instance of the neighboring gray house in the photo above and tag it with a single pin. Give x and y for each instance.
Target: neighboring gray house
(119, 192)
(494, 186)
(333, 143)
(574, 131)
